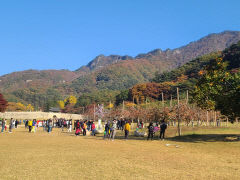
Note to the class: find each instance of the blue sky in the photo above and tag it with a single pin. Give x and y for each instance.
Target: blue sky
(66, 34)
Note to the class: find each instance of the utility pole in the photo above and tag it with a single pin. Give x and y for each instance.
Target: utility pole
(179, 128)
(110, 104)
(94, 112)
(207, 118)
(146, 103)
(171, 102)
(123, 106)
(162, 100)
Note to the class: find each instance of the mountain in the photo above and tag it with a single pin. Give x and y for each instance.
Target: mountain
(206, 45)
(186, 76)
(121, 72)
(103, 61)
(177, 57)
(111, 73)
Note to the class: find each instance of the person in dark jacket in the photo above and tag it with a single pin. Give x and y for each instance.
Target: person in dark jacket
(26, 124)
(150, 131)
(122, 124)
(106, 131)
(50, 125)
(163, 127)
(16, 123)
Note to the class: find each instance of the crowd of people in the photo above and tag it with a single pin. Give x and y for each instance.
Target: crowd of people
(82, 127)
(12, 124)
(85, 127)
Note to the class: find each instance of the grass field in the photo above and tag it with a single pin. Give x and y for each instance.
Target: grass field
(206, 153)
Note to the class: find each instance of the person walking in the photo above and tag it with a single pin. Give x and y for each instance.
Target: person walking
(77, 132)
(34, 124)
(70, 125)
(10, 125)
(107, 129)
(30, 122)
(122, 124)
(93, 129)
(113, 130)
(84, 128)
(127, 130)
(63, 124)
(3, 125)
(26, 124)
(13, 123)
(67, 124)
(44, 125)
(118, 124)
(16, 123)
(150, 131)
(163, 127)
(50, 125)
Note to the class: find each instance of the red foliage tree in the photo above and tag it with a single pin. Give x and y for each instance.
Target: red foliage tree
(3, 104)
(140, 92)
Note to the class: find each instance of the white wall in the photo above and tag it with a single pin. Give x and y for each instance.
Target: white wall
(39, 115)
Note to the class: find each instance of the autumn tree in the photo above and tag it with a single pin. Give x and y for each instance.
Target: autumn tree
(61, 104)
(3, 103)
(219, 89)
(72, 100)
(20, 107)
(140, 92)
(110, 105)
(30, 107)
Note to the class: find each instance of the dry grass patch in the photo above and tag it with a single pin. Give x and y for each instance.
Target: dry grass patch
(59, 155)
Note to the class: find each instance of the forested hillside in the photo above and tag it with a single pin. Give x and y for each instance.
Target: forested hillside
(124, 71)
(113, 73)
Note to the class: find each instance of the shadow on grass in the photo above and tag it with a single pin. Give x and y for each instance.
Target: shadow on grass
(196, 138)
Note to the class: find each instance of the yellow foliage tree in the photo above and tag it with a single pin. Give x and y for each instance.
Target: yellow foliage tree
(70, 100)
(30, 107)
(61, 104)
(110, 106)
(182, 78)
(20, 107)
(130, 104)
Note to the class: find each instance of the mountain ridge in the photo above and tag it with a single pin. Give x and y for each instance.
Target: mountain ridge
(113, 72)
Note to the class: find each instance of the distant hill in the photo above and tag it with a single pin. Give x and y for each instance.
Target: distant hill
(112, 72)
(35, 79)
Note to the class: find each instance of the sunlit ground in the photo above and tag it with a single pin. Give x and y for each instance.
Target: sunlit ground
(207, 153)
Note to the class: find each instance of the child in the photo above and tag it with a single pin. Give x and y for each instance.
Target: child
(34, 126)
